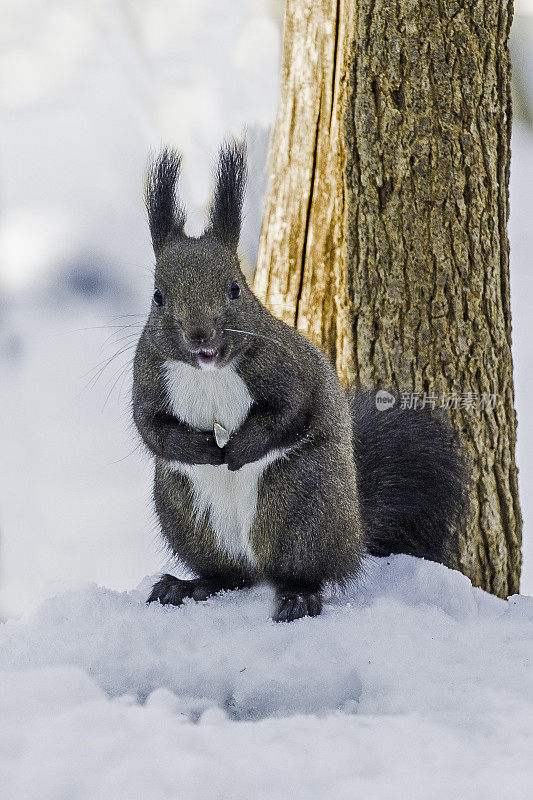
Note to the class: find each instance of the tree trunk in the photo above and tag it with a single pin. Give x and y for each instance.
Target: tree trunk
(384, 233)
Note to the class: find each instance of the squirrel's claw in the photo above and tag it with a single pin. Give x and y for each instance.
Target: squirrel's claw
(291, 605)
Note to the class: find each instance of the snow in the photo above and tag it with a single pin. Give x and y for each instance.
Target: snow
(413, 684)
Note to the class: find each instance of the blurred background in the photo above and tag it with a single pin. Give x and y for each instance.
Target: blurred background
(86, 90)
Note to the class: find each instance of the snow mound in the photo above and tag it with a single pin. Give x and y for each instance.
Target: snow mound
(413, 684)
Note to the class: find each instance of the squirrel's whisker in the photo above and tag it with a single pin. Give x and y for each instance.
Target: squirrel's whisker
(259, 336)
(98, 370)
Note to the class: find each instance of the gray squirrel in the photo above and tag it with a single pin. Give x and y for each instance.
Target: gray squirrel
(265, 468)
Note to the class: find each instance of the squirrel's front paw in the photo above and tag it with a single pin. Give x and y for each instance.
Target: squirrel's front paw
(236, 454)
(197, 447)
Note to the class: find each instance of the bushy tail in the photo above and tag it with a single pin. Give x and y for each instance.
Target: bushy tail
(413, 478)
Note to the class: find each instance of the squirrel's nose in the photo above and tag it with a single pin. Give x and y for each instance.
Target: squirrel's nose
(199, 336)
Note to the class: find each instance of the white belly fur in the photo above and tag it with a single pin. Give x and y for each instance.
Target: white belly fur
(200, 398)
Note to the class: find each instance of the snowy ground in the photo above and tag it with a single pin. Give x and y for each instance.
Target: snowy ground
(414, 685)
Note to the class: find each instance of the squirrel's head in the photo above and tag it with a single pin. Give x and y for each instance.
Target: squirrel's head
(201, 300)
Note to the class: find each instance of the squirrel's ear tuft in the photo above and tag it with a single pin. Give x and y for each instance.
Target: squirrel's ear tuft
(166, 216)
(225, 213)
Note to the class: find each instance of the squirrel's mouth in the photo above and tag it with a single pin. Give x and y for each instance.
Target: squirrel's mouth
(206, 356)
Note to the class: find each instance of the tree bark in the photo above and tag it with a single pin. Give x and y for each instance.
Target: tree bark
(384, 235)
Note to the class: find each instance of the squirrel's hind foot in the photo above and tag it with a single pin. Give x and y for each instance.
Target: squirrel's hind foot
(296, 603)
(173, 591)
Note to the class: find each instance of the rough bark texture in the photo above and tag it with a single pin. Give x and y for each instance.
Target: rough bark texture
(302, 273)
(384, 236)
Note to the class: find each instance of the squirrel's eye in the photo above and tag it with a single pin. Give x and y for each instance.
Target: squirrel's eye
(234, 290)
(159, 300)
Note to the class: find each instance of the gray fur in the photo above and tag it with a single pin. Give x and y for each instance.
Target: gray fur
(293, 436)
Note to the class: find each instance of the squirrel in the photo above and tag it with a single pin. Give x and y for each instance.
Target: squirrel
(265, 468)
